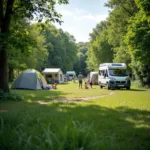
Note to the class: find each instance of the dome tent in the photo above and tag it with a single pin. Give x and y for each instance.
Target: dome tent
(30, 79)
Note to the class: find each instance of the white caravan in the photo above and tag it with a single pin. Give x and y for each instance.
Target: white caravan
(94, 77)
(113, 75)
(70, 75)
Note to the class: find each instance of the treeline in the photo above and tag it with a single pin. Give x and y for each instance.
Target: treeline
(38, 46)
(123, 37)
(80, 64)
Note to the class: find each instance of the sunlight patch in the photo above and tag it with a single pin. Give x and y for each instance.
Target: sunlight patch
(29, 100)
(32, 95)
(43, 103)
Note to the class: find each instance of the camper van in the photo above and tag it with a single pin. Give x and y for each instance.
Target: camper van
(113, 75)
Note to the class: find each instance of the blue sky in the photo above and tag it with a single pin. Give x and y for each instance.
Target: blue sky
(81, 16)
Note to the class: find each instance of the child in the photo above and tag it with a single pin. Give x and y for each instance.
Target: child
(54, 86)
(86, 85)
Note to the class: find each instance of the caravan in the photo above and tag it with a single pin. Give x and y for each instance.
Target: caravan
(113, 75)
(94, 77)
(70, 75)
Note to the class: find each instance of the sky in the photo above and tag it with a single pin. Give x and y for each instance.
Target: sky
(81, 16)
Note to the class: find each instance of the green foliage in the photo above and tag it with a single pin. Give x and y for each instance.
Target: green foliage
(18, 10)
(137, 39)
(25, 46)
(80, 63)
(100, 50)
(10, 96)
(38, 52)
(61, 47)
(38, 10)
(117, 28)
(125, 37)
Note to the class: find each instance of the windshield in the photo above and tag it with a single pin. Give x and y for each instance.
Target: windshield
(118, 72)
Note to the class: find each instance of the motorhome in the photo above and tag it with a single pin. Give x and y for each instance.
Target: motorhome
(113, 75)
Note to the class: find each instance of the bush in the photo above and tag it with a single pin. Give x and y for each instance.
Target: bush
(10, 96)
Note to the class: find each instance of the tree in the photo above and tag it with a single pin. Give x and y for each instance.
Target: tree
(80, 63)
(100, 50)
(38, 51)
(137, 39)
(18, 45)
(61, 48)
(21, 8)
(118, 23)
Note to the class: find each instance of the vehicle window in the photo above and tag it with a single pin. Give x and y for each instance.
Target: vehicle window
(118, 72)
(101, 72)
(106, 73)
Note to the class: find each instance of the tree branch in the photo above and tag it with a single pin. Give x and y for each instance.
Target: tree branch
(15, 9)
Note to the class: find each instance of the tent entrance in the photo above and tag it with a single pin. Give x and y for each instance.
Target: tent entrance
(51, 78)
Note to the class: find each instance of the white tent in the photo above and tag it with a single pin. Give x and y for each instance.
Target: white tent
(53, 75)
(94, 77)
(30, 79)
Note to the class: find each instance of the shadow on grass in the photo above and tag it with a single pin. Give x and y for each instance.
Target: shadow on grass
(41, 95)
(132, 89)
(118, 128)
(139, 90)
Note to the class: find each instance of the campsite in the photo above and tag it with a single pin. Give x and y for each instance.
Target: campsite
(74, 75)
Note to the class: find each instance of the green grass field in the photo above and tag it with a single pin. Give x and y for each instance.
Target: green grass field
(120, 121)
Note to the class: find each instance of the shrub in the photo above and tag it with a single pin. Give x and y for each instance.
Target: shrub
(10, 96)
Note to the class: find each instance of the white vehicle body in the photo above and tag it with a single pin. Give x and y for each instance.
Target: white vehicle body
(94, 77)
(113, 75)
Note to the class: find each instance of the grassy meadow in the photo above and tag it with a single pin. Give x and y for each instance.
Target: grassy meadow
(118, 122)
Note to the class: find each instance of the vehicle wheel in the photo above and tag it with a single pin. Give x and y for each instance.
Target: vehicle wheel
(100, 85)
(107, 86)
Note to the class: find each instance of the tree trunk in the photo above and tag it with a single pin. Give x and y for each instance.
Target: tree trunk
(4, 70)
(5, 19)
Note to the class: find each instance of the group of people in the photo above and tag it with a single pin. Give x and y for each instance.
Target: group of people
(86, 84)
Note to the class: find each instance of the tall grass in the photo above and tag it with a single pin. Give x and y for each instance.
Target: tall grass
(72, 136)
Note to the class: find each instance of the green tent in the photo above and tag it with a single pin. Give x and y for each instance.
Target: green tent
(30, 79)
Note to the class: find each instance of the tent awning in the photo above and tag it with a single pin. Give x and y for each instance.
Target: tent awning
(51, 70)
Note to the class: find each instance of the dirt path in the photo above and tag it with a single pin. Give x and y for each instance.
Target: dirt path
(77, 99)
(3, 110)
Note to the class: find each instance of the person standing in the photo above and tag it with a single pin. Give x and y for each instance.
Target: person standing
(80, 78)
